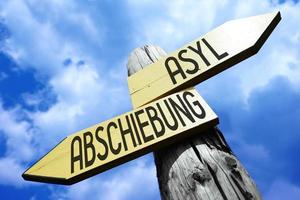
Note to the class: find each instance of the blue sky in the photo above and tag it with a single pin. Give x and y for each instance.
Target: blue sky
(63, 68)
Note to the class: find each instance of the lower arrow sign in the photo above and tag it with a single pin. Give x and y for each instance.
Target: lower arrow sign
(123, 138)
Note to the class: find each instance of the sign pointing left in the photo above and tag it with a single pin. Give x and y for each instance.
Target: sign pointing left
(123, 138)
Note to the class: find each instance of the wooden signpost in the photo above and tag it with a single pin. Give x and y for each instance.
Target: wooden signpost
(199, 167)
(166, 109)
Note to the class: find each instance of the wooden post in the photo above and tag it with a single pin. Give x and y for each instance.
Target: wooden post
(202, 167)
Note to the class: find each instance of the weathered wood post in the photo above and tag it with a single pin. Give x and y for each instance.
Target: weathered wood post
(202, 167)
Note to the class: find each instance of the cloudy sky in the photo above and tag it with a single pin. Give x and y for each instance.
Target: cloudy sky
(63, 68)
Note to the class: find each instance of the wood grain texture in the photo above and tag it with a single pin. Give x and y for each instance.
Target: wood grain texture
(201, 167)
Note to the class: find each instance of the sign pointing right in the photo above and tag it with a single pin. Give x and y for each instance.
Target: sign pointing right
(203, 58)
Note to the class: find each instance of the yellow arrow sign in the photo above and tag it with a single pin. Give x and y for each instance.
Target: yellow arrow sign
(115, 141)
(203, 58)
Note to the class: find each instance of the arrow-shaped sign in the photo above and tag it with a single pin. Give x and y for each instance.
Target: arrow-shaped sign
(203, 58)
(118, 140)
(153, 125)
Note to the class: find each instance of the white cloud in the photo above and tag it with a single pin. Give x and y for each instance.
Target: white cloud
(10, 172)
(78, 90)
(251, 153)
(46, 33)
(18, 135)
(176, 22)
(255, 151)
(134, 180)
(282, 189)
(3, 76)
(18, 147)
(83, 98)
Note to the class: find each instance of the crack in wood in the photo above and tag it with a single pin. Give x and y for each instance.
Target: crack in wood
(216, 181)
(146, 48)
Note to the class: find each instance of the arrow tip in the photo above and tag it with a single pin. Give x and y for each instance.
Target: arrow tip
(271, 21)
(51, 168)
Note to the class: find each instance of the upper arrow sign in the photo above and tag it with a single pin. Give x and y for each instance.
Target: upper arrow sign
(203, 58)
